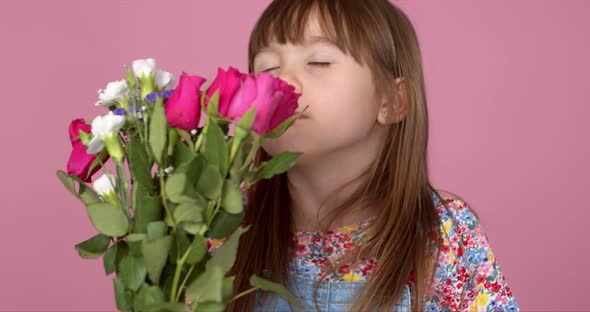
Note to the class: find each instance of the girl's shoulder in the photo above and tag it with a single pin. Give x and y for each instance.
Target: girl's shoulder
(468, 275)
(455, 213)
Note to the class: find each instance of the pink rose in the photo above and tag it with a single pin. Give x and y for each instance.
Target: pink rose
(274, 98)
(80, 161)
(228, 83)
(183, 108)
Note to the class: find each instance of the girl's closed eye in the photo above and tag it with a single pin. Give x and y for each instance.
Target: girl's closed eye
(320, 64)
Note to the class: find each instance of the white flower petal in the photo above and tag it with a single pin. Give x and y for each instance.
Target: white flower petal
(144, 67)
(99, 126)
(104, 185)
(114, 123)
(163, 79)
(107, 124)
(95, 146)
(114, 91)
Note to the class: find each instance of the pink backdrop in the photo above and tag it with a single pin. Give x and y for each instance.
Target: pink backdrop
(507, 108)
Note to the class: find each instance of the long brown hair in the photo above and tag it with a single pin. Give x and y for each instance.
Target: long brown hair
(376, 33)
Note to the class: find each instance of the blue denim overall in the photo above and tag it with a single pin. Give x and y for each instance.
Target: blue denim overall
(332, 296)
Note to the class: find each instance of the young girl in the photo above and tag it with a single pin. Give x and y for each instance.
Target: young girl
(355, 225)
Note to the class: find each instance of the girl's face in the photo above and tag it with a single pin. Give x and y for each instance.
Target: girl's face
(343, 107)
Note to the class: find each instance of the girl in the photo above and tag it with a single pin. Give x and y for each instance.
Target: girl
(355, 225)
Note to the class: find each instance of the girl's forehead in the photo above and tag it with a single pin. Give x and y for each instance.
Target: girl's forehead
(311, 31)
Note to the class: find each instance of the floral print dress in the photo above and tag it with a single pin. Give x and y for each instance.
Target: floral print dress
(467, 277)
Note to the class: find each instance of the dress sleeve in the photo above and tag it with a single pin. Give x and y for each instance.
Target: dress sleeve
(486, 288)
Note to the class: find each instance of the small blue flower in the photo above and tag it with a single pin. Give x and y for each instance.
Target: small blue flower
(119, 111)
(165, 94)
(431, 307)
(511, 305)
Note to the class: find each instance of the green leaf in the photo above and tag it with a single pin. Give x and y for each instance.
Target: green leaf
(277, 288)
(102, 156)
(189, 212)
(158, 131)
(108, 219)
(155, 254)
(278, 164)
(94, 247)
(147, 208)
(181, 239)
(113, 256)
(67, 181)
(84, 193)
(210, 306)
(157, 229)
(180, 187)
(192, 227)
(135, 240)
(110, 259)
(225, 255)
(88, 196)
(208, 286)
(210, 182)
(232, 197)
(172, 139)
(216, 147)
(282, 127)
(132, 272)
(175, 185)
(166, 307)
(198, 249)
(139, 164)
(120, 296)
(182, 153)
(147, 296)
(228, 286)
(248, 118)
(224, 223)
(213, 104)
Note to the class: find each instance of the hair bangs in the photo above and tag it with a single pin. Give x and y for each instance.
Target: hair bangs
(287, 21)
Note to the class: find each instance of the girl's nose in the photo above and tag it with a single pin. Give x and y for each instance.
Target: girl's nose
(290, 79)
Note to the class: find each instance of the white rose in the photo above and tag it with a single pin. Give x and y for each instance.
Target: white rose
(105, 185)
(114, 92)
(102, 127)
(144, 67)
(163, 79)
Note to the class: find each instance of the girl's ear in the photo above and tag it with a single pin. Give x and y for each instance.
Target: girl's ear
(394, 108)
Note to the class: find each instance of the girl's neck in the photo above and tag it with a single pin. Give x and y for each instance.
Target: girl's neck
(318, 195)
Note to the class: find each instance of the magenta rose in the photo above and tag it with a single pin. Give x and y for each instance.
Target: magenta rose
(80, 161)
(228, 83)
(274, 98)
(183, 108)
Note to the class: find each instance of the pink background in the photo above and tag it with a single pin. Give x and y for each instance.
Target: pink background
(507, 108)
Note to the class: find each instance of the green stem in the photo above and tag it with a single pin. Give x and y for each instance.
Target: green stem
(179, 265)
(243, 293)
(199, 141)
(123, 182)
(164, 197)
(218, 204)
(184, 280)
(250, 156)
(140, 133)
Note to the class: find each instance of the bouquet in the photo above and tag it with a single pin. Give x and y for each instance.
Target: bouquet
(176, 185)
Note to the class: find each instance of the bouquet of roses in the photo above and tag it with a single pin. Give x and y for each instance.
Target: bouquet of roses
(175, 184)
